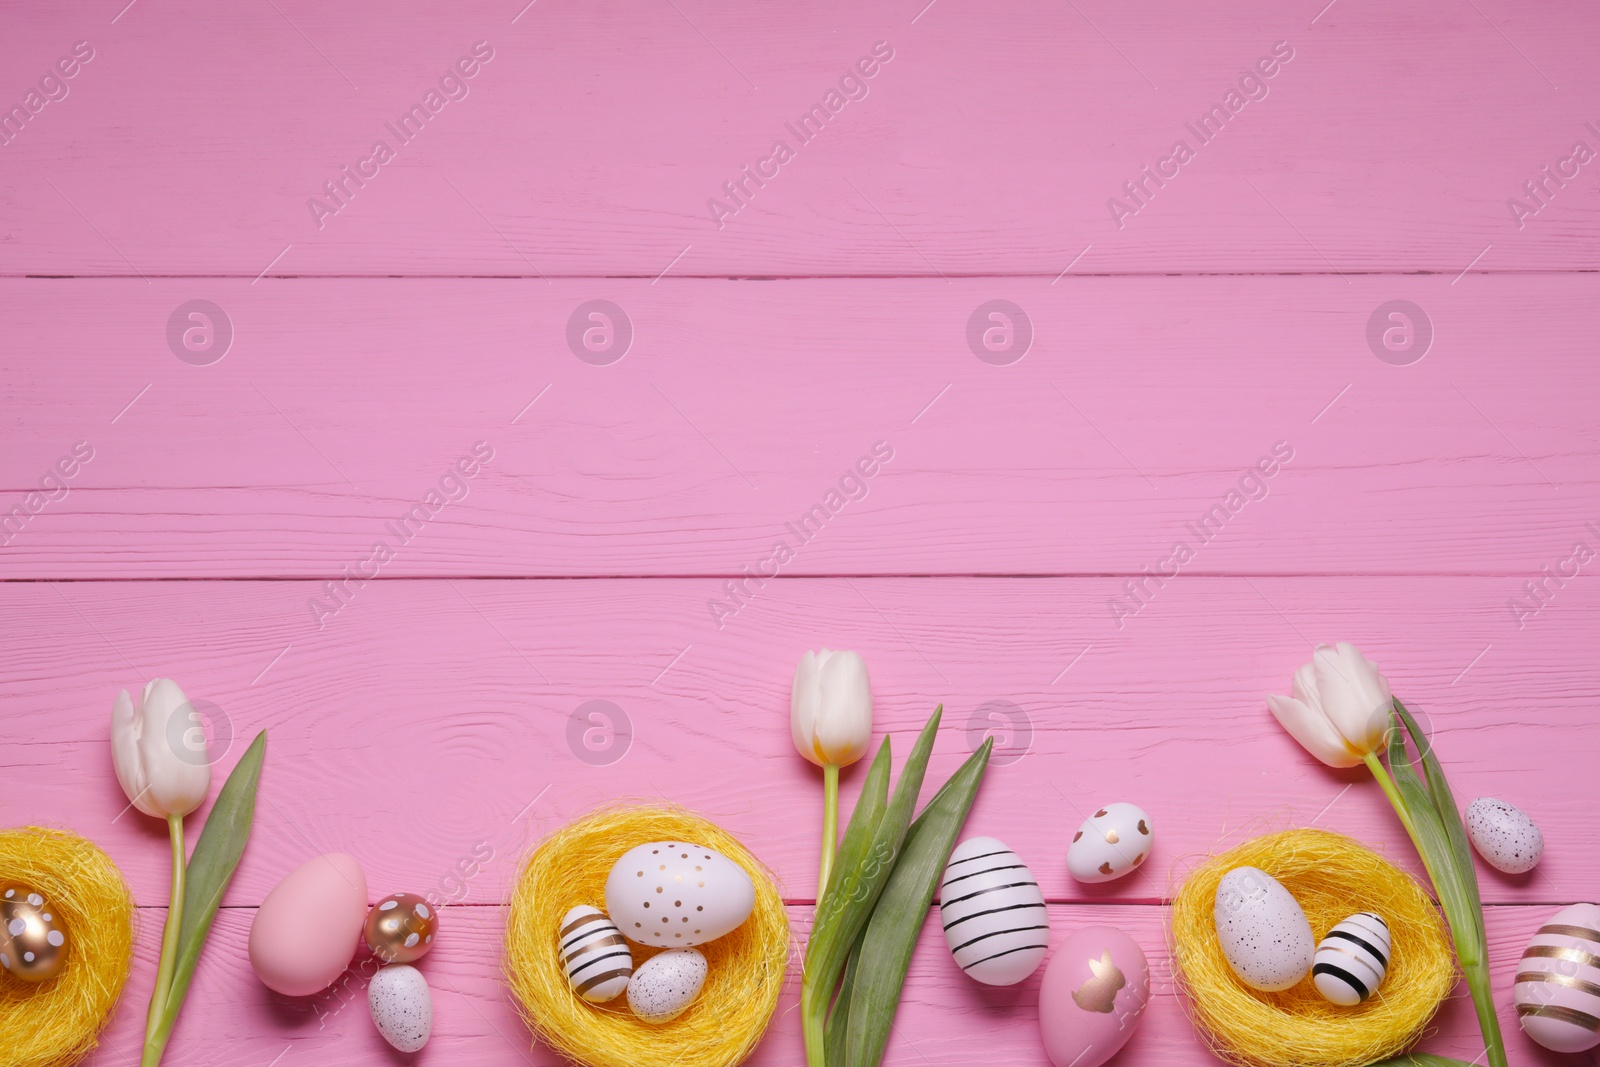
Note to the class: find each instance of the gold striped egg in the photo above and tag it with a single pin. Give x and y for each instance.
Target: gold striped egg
(1557, 991)
(595, 954)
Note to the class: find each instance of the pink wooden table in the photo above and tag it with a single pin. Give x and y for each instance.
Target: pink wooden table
(1166, 318)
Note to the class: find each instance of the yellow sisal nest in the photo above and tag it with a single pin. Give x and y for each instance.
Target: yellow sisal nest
(1332, 877)
(747, 966)
(57, 1021)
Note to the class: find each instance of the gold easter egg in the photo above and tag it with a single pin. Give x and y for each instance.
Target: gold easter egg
(401, 927)
(33, 942)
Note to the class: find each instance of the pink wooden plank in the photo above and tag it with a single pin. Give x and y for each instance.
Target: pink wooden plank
(992, 142)
(1141, 405)
(944, 1018)
(437, 729)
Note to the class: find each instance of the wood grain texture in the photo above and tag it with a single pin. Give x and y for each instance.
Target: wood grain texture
(944, 1017)
(990, 144)
(1141, 406)
(430, 725)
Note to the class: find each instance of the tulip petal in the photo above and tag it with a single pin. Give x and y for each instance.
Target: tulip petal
(126, 758)
(1315, 734)
(1355, 695)
(804, 701)
(844, 721)
(179, 772)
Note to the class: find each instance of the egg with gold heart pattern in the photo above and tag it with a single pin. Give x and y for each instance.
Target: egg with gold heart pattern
(677, 895)
(1112, 842)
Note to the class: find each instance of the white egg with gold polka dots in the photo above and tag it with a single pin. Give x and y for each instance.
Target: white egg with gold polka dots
(1112, 842)
(676, 894)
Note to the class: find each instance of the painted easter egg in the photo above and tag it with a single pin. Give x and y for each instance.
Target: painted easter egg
(1352, 960)
(33, 938)
(1093, 995)
(666, 984)
(1504, 836)
(401, 1006)
(1113, 841)
(595, 954)
(1264, 933)
(677, 894)
(401, 927)
(308, 927)
(993, 913)
(1557, 990)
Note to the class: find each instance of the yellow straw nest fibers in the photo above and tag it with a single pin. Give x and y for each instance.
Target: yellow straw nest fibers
(1332, 877)
(723, 1024)
(56, 1022)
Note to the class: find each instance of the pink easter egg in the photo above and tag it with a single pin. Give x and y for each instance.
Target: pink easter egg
(306, 931)
(1557, 991)
(1093, 995)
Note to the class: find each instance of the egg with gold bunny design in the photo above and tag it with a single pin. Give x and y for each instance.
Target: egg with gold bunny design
(1094, 993)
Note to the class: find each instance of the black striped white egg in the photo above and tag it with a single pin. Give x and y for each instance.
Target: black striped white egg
(595, 954)
(1557, 990)
(1352, 960)
(993, 913)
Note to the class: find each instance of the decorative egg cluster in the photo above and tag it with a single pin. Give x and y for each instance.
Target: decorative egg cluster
(993, 913)
(307, 929)
(1557, 989)
(997, 927)
(672, 895)
(33, 943)
(1267, 940)
(1112, 842)
(1504, 836)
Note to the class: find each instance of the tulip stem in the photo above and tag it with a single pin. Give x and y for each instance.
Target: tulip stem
(830, 826)
(1392, 791)
(158, 1026)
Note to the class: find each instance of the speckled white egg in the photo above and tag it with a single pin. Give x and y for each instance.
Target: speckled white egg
(595, 955)
(666, 984)
(993, 913)
(678, 895)
(1557, 990)
(1113, 841)
(1352, 959)
(402, 1007)
(1263, 930)
(1504, 836)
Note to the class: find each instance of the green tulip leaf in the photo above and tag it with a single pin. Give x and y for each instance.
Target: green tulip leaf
(211, 866)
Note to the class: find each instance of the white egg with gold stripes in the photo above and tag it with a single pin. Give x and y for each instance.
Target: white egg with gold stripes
(595, 954)
(1352, 960)
(1557, 991)
(993, 913)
